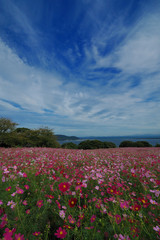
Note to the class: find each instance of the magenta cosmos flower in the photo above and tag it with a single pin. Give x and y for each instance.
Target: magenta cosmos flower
(93, 218)
(61, 233)
(19, 237)
(40, 203)
(64, 186)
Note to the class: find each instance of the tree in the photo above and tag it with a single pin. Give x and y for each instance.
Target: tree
(7, 128)
(135, 144)
(6, 125)
(44, 137)
(109, 145)
(126, 144)
(10, 136)
(95, 144)
(144, 143)
(69, 145)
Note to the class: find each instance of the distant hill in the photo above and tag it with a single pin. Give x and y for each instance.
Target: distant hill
(64, 137)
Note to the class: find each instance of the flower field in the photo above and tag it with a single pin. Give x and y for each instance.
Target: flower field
(76, 194)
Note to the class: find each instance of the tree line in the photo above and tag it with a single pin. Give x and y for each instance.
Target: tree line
(12, 136)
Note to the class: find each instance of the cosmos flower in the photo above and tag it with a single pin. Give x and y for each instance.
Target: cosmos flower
(20, 191)
(19, 237)
(64, 186)
(124, 205)
(72, 202)
(117, 219)
(39, 203)
(93, 218)
(61, 233)
(136, 207)
(62, 214)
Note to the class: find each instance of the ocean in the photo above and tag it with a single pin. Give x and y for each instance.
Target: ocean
(117, 140)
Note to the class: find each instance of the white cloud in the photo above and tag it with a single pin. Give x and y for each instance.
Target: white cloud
(141, 51)
(107, 107)
(97, 108)
(24, 84)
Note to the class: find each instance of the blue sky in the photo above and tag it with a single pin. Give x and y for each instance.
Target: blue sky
(81, 67)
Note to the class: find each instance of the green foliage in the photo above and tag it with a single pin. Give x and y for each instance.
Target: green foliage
(44, 137)
(7, 128)
(69, 145)
(142, 144)
(126, 144)
(95, 144)
(109, 145)
(157, 145)
(90, 144)
(135, 144)
(6, 125)
(25, 137)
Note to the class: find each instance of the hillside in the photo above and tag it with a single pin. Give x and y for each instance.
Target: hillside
(64, 137)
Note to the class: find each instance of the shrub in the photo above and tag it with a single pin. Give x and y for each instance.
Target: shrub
(157, 145)
(109, 145)
(69, 145)
(127, 144)
(135, 144)
(142, 144)
(95, 144)
(90, 144)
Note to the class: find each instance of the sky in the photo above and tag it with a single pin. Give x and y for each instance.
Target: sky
(81, 67)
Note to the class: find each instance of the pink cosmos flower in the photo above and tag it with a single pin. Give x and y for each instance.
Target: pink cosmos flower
(36, 233)
(71, 219)
(157, 229)
(4, 221)
(121, 237)
(58, 204)
(13, 194)
(61, 233)
(1, 202)
(7, 236)
(62, 214)
(89, 227)
(8, 189)
(25, 202)
(39, 203)
(117, 218)
(19, 237)
(26, 187)
(20, 191)
(124, 205)
(24, 175)
(3, 179)
(8, 233)
(28, 211)
(93, 218)
(153, 202)
(11, 203)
